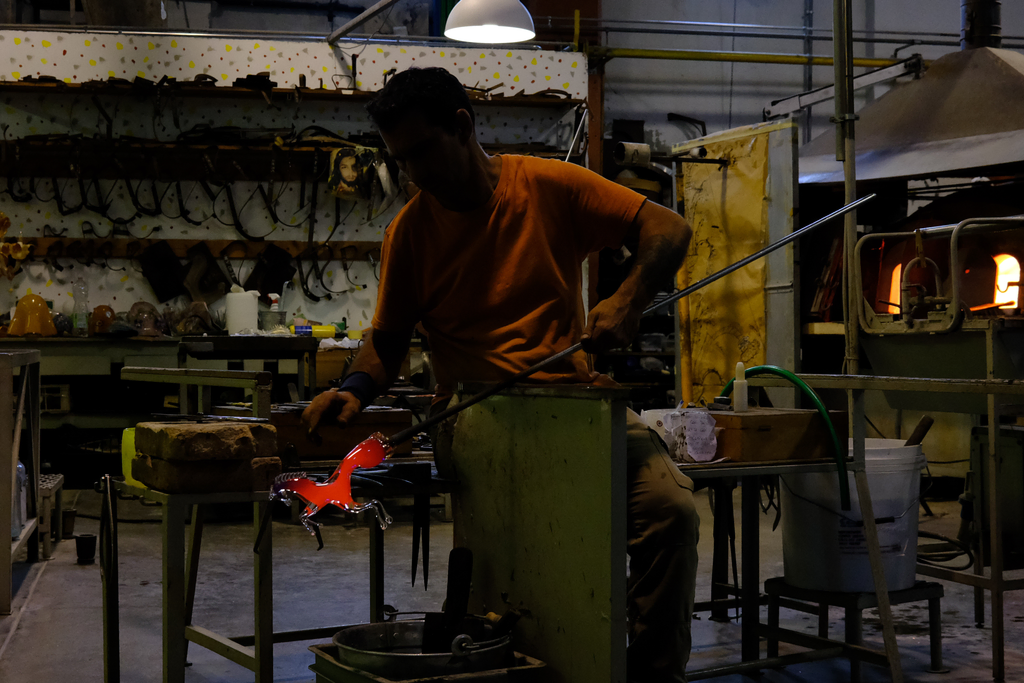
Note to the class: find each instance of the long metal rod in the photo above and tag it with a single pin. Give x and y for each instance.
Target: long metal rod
(370, 13)
(406, 434)
(725, 56)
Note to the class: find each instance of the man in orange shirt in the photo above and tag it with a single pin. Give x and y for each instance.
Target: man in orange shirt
(487, 257)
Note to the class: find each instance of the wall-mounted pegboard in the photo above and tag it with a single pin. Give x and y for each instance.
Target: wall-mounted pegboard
(316, 86)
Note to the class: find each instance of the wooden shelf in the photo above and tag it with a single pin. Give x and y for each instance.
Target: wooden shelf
(822, 329)
(98, 248)
(296, 94)
(89, 158)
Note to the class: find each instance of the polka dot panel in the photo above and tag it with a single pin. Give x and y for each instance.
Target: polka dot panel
(83, 56)
(79, 57)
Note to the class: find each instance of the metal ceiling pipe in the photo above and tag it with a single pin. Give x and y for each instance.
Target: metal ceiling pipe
(606, 53)
(980, 24)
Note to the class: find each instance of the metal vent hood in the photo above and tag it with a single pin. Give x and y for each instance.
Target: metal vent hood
(964, 114)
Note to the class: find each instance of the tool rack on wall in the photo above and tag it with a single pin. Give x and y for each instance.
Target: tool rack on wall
(115, 140)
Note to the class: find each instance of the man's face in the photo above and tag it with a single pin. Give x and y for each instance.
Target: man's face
(433, 158)
(347, 167)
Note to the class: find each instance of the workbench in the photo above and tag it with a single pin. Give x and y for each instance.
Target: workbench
(751, 628)
(71, 358)
(257, 347)
(180, 572)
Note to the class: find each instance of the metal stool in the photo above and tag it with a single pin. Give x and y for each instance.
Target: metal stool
(817, 602)
(51, 501)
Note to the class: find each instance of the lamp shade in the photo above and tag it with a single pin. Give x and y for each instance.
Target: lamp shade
(489, 21)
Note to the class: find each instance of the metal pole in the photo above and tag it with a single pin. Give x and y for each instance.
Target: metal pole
(808, 69)
(358, 21)
(606, 53)
(842, 15)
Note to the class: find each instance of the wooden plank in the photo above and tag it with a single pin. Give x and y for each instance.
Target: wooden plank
(226, 378)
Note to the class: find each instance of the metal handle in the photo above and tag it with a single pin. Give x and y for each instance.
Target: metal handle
(463, 645)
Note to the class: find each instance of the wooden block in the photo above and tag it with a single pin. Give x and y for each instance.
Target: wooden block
(207, 476)
(192, 441)
(763, 434)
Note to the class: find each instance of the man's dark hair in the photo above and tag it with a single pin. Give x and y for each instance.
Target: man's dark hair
(432, 92)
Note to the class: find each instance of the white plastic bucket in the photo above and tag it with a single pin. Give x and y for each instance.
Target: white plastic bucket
(824, 547)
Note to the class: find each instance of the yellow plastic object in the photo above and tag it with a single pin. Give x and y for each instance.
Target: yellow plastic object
(32, 316)
(127, 454)
(355, 334)
(324, 330)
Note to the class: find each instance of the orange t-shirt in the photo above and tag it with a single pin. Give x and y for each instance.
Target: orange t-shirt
(498, 289)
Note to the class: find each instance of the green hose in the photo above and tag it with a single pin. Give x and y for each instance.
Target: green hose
(840, 452)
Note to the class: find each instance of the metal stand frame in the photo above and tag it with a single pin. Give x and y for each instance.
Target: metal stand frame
(254, 652)
(257, 382)
(27, 402)
(752, 630)
(991, 387)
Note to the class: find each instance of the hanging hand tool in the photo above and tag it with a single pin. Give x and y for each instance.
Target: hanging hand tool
(377, 448)
(440, 629)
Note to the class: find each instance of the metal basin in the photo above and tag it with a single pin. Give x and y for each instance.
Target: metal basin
(394, 649)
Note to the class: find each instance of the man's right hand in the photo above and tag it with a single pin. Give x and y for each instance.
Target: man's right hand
(339, 406)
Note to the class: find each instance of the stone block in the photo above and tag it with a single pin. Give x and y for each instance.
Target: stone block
(191, 441)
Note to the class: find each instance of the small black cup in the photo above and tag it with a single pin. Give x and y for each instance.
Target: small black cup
(85, 546)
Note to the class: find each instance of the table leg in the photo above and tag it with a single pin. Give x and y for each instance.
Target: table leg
(935, 635)
(376, 572)
(854, 636)
(8, 465)
(750, 590)
(174, 591)
(264, 598)
(58, 513)
(823, 620)
(192, 564)
(30, 374)
(724, 525)
(108, 574)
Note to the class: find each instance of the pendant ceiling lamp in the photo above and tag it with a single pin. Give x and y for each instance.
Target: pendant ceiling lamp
(489, 21)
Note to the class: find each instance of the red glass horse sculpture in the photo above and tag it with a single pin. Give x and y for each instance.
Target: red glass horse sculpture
(337, 490)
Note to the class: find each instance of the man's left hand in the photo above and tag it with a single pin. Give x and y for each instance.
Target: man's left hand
(610, 325)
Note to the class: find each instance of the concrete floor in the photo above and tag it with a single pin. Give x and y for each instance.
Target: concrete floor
(55, 632)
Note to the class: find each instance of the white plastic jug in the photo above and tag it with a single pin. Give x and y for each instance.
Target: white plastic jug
(242, 310)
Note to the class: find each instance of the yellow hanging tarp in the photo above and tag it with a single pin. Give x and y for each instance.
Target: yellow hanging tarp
(724, 322)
